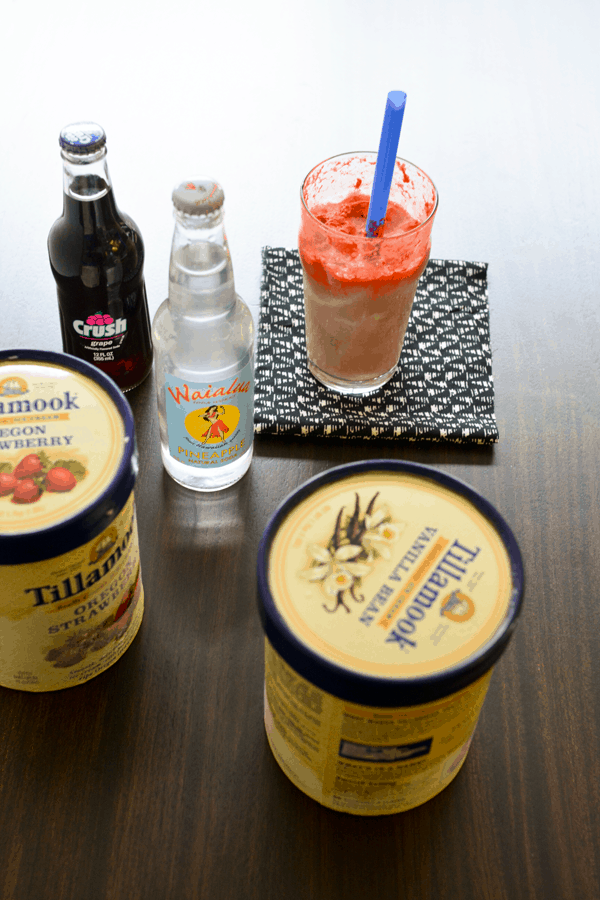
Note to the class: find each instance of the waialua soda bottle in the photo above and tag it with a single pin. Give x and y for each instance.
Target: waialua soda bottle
(204, 350)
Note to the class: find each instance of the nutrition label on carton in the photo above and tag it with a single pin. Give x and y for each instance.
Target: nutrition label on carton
(346, 756)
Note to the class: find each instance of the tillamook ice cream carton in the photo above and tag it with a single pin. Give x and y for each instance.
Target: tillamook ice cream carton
(387, 591)
(71, 596)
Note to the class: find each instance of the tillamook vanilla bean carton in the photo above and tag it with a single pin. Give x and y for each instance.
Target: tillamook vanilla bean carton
(387, 591)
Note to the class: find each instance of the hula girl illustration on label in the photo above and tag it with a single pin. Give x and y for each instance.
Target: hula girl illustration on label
(217, 428)
(209, 424)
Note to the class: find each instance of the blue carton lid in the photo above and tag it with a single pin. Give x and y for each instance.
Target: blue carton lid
(389, 583)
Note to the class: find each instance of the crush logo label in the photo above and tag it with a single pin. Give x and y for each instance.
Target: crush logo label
(100, 327)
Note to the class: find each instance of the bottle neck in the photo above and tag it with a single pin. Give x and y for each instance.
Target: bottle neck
(86, 177)
(199, 229)
(201, 283)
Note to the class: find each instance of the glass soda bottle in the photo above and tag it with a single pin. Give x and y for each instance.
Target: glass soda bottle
(97, 259)
(203, 338)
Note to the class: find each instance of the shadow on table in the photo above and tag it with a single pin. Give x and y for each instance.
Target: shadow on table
(343, 451)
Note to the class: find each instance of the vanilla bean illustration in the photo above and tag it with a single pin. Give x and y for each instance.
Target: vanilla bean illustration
(360, 599)
(353, 528)
(337, 537)
(371, 505)
(347, 538)
(369, 512)
(340, 602)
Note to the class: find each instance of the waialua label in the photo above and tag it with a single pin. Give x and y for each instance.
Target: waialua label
(210, 424)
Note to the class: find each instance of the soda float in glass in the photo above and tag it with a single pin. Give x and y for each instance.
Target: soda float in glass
(359, 290)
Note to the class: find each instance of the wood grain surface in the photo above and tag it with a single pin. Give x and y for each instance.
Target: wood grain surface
(155, 779)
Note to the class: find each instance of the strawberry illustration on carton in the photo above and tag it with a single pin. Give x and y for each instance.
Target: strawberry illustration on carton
(35, 473)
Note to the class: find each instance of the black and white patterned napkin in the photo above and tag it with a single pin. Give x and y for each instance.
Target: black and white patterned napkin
(442, 391)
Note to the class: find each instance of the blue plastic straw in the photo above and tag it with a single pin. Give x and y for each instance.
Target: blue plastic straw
(386, 158)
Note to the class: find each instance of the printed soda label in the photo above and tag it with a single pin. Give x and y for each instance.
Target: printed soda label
(101, 334)
(211, 423)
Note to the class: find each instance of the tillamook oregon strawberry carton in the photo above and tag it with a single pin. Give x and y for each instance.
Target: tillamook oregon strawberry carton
(71, 596)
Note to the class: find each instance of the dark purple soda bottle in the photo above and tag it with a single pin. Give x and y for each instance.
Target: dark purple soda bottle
(97, 259)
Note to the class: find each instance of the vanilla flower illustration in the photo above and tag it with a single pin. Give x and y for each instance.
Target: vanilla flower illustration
(335, 568)
(380, 532)
(356, 543)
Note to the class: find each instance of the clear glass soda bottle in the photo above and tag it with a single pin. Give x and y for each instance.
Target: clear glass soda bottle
(97, 259)
(203, 338)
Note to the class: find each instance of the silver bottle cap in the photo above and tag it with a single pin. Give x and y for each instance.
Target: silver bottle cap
(198, 196)
(82, 138)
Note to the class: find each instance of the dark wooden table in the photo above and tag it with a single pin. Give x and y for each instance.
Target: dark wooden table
(155, 779)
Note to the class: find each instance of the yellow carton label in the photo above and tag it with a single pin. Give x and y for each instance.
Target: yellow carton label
(66, 619)
(388, 575)
(61, 442)
(361, 759)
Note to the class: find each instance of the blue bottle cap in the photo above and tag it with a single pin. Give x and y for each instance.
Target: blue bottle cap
(82, 138)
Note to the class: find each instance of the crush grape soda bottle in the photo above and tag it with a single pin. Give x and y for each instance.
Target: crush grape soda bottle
(97, 259)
